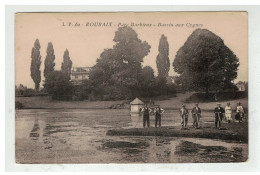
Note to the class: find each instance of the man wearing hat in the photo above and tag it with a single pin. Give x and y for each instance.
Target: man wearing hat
(158, 114)
(219, 111)
(184, 113)
(240, 112)
(146, 115)
(196, 114)
(228, 112)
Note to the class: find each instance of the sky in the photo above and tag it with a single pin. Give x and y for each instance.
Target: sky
(86, 41)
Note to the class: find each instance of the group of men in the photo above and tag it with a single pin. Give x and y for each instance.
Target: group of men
(146, 115)
(196, 115)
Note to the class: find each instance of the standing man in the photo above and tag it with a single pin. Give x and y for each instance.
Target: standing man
(158, 114)
(219, 111)
(240, 112)
(196, 114)
(146, 118)
(184, 116)
(228, 112)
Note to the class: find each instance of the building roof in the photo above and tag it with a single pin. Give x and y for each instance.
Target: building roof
(240, 83)
(137, 101)
(81, 69)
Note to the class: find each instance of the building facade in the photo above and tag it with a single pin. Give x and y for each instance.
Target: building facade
(79, 74)
(241, 86)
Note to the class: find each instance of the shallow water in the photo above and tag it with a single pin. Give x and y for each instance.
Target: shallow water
(79, 136)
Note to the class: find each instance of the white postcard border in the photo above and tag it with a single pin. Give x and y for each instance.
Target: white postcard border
(254, 87)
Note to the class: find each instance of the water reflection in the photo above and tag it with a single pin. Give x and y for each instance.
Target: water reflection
(34, 134)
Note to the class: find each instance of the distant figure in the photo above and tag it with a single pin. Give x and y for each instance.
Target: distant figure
(158, 114)
(216, 97)
(196, 114)
(151, 102)
(184, 116)
(240, 112)
(228, 112)
(219, 111)
(146, 118)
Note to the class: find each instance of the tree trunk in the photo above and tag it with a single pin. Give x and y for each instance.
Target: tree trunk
(37, 86)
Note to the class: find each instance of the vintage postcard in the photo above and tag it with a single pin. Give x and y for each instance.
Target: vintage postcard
(131, 87)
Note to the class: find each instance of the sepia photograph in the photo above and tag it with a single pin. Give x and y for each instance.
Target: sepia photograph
(131, 87)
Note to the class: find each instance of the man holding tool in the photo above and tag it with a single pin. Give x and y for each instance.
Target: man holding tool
(219, 111)
(196, 114)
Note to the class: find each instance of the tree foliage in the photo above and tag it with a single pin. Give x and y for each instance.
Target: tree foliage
(58, 85)
(66, 64)
(162, 59)
(147, 82)
(49, 60)
(35, 64)
(120, 67)
(205, 63)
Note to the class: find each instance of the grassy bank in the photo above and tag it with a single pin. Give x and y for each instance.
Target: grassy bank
(176, 102)
(234, 131)
(45, 102)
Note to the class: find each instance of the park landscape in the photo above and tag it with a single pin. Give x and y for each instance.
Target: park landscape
(91, 122)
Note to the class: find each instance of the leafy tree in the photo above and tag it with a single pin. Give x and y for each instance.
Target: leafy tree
(82, 91)
(205, 63)
(67, 64)
(147, 74)
(120, 67)
(49, 60)
(35, 64)
(58, 85)
(147, 86)
(105, 67)
(162, 59)
(129, 51)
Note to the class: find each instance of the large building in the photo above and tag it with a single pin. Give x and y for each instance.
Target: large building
(78, 74)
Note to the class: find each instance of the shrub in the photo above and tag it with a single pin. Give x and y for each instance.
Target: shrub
(18, 105)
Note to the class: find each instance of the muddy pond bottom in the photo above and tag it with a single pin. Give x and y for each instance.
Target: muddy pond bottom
(79, 136)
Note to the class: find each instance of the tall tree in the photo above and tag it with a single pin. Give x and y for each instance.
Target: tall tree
(35, 64)
(49, 60)
(121, 66)
(67, 64)
(162, 59)
(130, 51)
(205, 63)
(147, 82)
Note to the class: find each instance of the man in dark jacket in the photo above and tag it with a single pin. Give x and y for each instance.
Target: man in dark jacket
(219, 111)
(196, 114)
(146, 113)
(158, 114)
